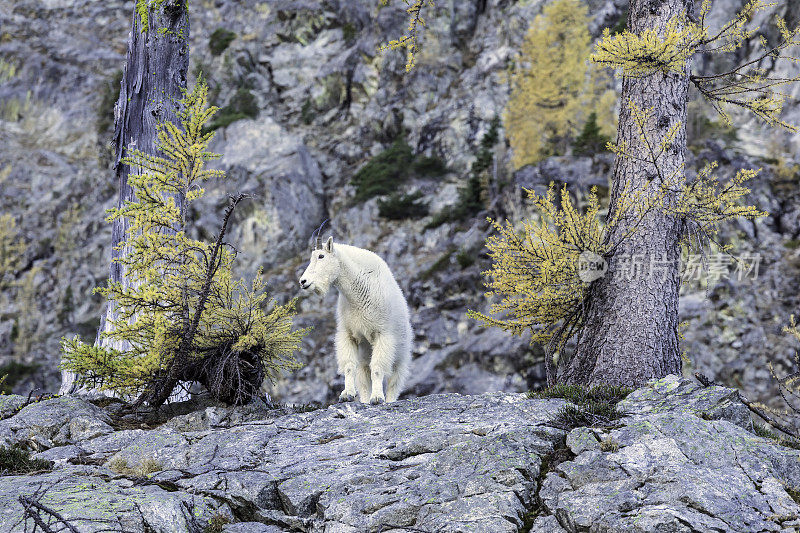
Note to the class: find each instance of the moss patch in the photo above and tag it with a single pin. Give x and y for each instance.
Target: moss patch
(242, 105)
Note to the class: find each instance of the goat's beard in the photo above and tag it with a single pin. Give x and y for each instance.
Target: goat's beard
(322, 287)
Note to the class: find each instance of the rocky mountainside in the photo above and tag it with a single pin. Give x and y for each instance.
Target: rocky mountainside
(681, 458)
(306, 102)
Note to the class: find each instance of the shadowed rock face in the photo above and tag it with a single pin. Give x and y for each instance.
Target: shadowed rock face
(683, 460)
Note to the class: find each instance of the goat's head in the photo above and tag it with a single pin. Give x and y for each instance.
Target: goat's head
(323, 269)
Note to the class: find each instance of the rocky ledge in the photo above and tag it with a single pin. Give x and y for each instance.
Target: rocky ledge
(682, 458)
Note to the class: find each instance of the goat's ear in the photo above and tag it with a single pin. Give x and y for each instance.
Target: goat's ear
(329, 245)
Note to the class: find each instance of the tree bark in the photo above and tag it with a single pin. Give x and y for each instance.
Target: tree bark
(630, 331)
(153, 81)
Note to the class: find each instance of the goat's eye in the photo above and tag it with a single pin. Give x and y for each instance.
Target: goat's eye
(321, 256)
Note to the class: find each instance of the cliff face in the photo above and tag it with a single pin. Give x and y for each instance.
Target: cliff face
(318, 102)
(682, 458)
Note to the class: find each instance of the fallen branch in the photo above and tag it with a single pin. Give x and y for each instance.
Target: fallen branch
(706, 382)
(33, 509)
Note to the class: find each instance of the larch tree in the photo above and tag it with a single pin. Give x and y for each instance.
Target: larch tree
(181, 314)
(153, 80)
(629, 330)
(627, 325)
(175, 312)
(554, 89)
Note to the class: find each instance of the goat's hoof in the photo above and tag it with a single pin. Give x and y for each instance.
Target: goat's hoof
(344, 397)
(377, 400)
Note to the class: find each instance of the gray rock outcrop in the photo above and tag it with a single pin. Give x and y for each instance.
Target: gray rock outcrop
(681, 459)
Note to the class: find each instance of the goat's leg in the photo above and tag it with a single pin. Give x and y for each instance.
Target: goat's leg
(363, 378)
(383, 354)
(400, 371)
(347, 358)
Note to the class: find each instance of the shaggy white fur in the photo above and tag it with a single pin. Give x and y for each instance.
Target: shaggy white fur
(372, 312)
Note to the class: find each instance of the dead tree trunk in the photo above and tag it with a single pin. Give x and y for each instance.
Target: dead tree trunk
(630, 333)
(153, 81)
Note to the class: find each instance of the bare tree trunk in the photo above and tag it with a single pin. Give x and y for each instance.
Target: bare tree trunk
(153, 81)
(630, 333)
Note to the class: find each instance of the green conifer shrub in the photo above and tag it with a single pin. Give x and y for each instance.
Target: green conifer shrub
(219, 40)
(402, 206)
(181, 314)
(14, 460)
(242, 105)
(382, 174)
(591, 140)
(472, 196)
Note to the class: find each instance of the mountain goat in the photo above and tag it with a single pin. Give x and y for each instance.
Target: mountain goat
(372, 311)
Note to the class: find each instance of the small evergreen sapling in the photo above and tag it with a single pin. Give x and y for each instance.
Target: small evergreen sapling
(591, 140)
(181, 313)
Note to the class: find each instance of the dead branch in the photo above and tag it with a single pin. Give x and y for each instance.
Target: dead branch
(706, 382)
(33, 509)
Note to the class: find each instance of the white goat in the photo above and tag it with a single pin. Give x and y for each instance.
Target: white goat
(371, 311)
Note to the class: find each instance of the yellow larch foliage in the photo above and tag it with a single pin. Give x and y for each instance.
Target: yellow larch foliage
(707, 201)
(174, 282)
(704, 201)
(644, 53)
(12, 249)
(748, 85)
(553, 89)
(409, 40)
(535, 270)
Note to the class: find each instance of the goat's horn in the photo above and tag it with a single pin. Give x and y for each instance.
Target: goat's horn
(319, 233)
(316, 235)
